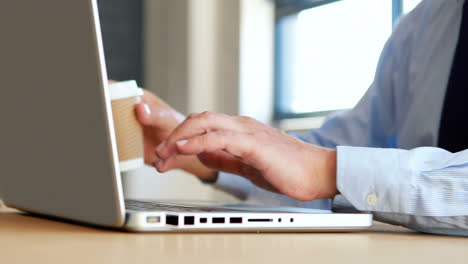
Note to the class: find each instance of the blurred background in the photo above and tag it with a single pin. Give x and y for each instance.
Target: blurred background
(288, 63)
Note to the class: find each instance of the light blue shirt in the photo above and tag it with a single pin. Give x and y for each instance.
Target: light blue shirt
(387, 162)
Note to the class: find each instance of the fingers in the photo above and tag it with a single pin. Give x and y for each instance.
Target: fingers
(144, 114)
(196, 125)
(165, 165)
(222, 161)
(238, 145)
(153, 111)
(143, 110)
(231, 142)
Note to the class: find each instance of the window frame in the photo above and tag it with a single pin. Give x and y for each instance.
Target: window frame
(292, 8)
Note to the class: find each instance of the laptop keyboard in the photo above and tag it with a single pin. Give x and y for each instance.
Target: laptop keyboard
(159, 206)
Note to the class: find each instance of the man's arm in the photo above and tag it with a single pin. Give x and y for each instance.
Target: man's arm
(398, 186)
(370, 123)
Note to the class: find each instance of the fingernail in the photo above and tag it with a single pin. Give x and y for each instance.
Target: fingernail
(159, 164)
(161, 146)
(181, 143)
(155, 160)
(147, 109)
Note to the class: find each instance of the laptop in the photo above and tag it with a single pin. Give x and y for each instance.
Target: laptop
(58, 151)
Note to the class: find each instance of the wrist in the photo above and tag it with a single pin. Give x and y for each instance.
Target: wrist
(330, 173)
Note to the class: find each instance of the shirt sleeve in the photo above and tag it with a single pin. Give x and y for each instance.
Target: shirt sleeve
(425, 189)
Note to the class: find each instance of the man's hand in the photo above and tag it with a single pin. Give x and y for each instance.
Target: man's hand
(159, 120)
(266, 156)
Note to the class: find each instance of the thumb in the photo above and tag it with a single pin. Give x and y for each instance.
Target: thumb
(144, 114)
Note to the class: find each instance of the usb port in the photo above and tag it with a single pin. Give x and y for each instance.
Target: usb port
(218, 220)
(172, 220)
(189, 220)
(235, 220)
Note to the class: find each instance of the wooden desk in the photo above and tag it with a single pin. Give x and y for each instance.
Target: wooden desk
(27, 239)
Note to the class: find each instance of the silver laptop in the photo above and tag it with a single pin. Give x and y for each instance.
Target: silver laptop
(58, 151)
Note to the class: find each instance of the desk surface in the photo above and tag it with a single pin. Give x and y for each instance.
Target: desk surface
(28, 239)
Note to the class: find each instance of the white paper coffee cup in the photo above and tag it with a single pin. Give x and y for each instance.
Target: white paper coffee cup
(128, 131)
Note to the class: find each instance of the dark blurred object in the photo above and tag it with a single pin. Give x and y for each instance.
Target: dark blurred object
(122, 31)
(288, 7)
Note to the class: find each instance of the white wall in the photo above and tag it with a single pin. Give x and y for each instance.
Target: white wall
(203, 55)
(256, 59)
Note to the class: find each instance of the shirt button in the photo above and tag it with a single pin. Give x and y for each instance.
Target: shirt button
(371, 199)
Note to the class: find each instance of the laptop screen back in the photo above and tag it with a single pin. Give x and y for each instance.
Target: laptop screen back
(55, 141)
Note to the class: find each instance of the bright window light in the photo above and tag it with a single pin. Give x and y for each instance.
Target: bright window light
(409, 5)
(336, 51)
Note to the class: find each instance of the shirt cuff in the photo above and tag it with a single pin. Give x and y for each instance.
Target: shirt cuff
(374, 179)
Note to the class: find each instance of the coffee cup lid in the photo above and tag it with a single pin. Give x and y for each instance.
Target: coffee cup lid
(124, 89)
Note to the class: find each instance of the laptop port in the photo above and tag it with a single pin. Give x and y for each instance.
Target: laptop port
(203, 220)
(235, 220)
(189, 220)
(260, 220)
(153, 219)
(218, 220)
(172, 220)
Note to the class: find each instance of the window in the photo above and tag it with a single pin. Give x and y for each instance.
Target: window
(327, 52)
(409, 5)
